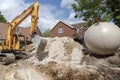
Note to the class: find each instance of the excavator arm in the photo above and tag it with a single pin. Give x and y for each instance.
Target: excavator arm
(33, 11)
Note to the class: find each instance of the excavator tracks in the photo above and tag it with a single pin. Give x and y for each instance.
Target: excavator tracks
(7, 58)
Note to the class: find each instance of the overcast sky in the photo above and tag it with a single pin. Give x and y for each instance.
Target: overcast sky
(50, 12)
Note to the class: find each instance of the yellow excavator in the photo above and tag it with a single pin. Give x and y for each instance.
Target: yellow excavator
(11, 47)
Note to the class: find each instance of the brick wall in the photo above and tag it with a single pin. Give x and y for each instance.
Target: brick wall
(67, 31)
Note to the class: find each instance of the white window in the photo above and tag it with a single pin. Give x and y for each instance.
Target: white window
(60, 30)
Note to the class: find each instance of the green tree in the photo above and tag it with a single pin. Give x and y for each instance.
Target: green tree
(46, 33)
(89, 10)
(114, 6)
(2, 18)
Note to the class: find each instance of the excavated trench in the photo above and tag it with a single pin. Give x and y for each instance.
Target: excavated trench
(62, 59)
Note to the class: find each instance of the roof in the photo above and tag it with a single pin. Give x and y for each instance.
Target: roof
(28, 29)
(78, 25)
(3, 30)
(63, 23)
(23, 30)
(73, 26)
(67, 24)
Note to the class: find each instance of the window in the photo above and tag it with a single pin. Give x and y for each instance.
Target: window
(60, 30)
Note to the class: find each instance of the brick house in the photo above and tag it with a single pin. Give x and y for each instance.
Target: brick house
(26, 32)
(20, 30)
(62, 29)
(80, 30)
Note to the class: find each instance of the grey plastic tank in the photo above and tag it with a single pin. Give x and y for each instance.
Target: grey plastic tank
(103, 38)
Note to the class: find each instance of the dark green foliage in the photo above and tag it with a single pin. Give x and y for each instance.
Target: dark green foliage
(89, 10)
(2, 18)
(114, 6)
(46, 33)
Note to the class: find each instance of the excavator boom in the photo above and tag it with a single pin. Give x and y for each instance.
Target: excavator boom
(33, 10)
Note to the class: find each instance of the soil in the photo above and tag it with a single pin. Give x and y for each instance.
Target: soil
(62, 59)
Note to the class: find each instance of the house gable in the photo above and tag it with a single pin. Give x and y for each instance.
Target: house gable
(62, 29)
(62, 23)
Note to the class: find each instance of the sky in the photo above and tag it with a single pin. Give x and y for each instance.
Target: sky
(50, 12)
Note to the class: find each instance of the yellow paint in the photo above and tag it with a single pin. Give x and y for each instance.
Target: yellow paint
(13, 43)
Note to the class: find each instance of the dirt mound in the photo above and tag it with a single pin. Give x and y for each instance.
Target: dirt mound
(63, 59)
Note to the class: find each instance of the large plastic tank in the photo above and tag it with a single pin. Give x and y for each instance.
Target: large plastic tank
(102, 38)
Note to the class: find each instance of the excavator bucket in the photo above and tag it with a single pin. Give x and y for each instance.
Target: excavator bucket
(39, 43)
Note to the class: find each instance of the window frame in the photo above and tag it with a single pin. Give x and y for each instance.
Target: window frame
(60, 30)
